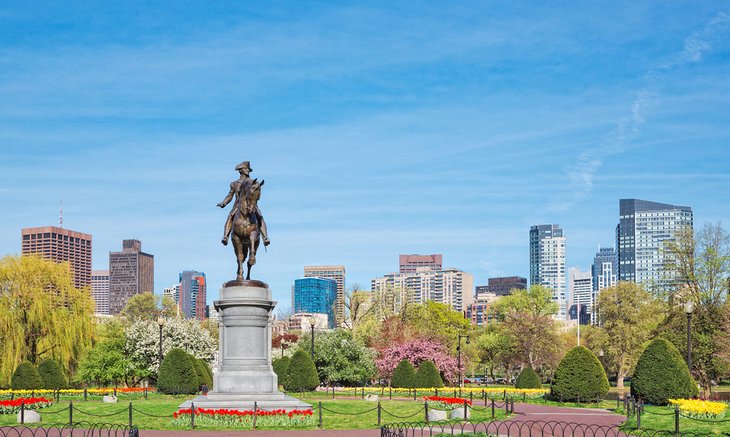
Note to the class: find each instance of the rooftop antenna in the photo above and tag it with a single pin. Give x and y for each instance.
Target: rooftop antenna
(60, 215)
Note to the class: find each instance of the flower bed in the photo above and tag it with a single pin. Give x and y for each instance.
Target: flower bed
(244, 419)
(76, 392)
(444, 403)
(530, 393)
(700, 409)
(13, 406)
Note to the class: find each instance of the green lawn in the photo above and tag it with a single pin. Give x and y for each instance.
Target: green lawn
(337, 414)
(662, 419)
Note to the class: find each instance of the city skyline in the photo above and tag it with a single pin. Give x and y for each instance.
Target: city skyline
(431, 130)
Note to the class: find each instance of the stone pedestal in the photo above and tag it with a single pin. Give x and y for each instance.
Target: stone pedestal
(244, 373)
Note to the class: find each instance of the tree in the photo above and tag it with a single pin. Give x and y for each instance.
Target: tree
(526, 316)
(437, 321)
(528, 379)
(428, 375)
(142, 344)
(147, 306)
(177, 374)
(701, 265)
(661, 374)
(417, 351)
(281, 368)
(627, 314)
(301, 375)
(26, 377)
(358, 305)
(404, 375)
(579, 377)
(51, 374)
(41, 314)
(495, 347)
(107, 361)
(340, 358)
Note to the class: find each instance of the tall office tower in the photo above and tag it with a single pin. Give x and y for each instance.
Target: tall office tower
(338, 274)
(504, 286)
(450, 286)
(193, 294)
(61, 245)
(604, 268)
(100, 290)
(547, 262)
(581, 293)
(644, 227)
(410, 263)
(131, 272)
(315, 295)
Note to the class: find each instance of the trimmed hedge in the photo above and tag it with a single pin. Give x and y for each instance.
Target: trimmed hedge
(302, 373)
(204, 372)
(51, 374)
(177, 374)
(404, 375)
(26, 377)
(428, 375)
(281, 367)
(528, 378)
(579, 377)
(661, 374)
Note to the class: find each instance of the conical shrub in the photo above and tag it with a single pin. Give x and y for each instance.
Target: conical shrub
(177, 374)
(281, 367)
(428, 375)
(579, 377)
(528, 378)
(404, 375)
(302, 373)
(26, 377)
(661, 374)
(51, 374)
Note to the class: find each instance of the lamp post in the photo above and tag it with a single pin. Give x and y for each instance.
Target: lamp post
(600, 358)
(688, 309)
(458, 351)
(282, 347)
(312, 322)
(160, 323)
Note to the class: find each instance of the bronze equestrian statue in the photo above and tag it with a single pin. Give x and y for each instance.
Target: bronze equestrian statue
(244, 224)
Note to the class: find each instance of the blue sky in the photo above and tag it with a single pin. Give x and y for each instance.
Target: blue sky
(379, 128)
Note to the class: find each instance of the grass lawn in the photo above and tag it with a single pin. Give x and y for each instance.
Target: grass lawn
(337, 414)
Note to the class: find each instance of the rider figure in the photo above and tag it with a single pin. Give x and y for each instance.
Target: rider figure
(239, 188)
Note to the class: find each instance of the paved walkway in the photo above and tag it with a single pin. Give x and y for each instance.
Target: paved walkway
(586, 416)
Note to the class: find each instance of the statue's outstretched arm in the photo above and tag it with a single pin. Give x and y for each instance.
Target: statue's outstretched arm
(228, 198)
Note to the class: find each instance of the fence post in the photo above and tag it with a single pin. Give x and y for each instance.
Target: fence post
(504, 394)
(676, 420)
(319, 407)
(115, 391)
(437, 391)
(638, 415)
(363, 392)
(466, 411)
(192, 415)
(22, 412)
(471, 397)
(492, 409)
(379, 413)
(70, 413)
(84, 393)
(390, 393)
(145, 393)
(255, 413)
(506, 406)
(130, 415)
(425, 409)
(414, 394)
(524, 397)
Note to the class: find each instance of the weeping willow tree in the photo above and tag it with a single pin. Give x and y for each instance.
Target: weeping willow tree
(42, 315)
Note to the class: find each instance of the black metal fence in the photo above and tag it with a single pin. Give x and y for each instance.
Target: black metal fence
(78, 429)
(518, 429)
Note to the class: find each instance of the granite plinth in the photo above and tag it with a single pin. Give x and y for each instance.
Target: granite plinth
(244, 374)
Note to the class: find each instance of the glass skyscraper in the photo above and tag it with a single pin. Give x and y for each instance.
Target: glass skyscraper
(316, 295)
(547, 262)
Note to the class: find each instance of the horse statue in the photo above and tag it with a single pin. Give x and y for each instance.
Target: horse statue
(246, 232)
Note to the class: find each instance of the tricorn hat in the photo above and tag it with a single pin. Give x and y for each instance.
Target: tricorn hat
(244, 164)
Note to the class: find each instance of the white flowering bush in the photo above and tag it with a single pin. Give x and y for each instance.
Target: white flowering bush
(143, 341)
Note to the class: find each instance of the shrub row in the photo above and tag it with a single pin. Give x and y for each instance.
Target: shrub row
(406, 376)
(181, 373)
(48, 375)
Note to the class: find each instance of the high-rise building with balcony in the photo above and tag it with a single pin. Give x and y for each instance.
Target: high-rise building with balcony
(61, 245)
(338, 274)
(131, 272)
(547, 262)
(643, 230)
(193, 294)
(100, 290)
(315, 295)
(581, 292)
(450, 286)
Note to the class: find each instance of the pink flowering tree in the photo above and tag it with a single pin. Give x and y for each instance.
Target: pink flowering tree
(415, 351)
